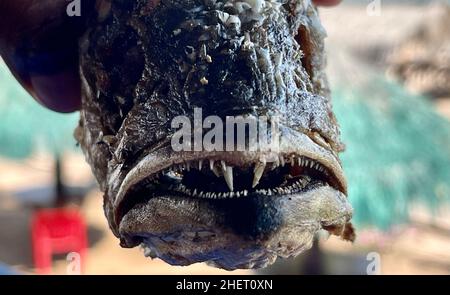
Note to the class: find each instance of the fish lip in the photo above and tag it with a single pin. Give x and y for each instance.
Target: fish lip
(292, 227)
(292, 142)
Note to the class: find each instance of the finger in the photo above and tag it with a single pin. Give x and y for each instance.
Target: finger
(48, 72)
(59, 92)
(327, 2)
(39, 43)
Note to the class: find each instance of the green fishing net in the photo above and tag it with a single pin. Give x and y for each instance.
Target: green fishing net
(398, 151)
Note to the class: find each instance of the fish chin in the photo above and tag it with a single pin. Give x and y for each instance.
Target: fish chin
(234, 234)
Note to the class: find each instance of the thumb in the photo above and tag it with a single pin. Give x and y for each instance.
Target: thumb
(39, 43)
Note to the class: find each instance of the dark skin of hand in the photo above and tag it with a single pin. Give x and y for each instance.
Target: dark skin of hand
(39, 43)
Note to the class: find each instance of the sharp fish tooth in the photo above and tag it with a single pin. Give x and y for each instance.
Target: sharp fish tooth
(259, 171)
(214, 168)
(228, 174)
(216, 171)
(200, 165)
(282, 161)
(276, 163)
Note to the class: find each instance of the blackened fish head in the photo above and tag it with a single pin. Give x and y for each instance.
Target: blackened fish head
(153, 70)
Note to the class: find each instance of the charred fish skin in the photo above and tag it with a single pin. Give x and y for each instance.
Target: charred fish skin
(145, 62)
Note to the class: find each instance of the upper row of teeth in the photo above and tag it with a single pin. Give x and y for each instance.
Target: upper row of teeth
(297, 186)
(220, 168)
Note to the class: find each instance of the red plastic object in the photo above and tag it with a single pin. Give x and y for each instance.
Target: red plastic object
(57, 231)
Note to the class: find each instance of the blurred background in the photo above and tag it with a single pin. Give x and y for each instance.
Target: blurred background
(389, 67)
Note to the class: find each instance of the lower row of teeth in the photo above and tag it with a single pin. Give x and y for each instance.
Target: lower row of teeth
(221, 169)
(297, 186)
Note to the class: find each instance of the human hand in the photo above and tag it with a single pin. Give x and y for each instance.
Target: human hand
(39, 43)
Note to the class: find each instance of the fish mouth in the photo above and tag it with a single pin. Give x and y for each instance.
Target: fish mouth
(198, 206)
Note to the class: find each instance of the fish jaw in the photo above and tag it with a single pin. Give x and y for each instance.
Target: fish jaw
(246, 228)
(234, 234)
